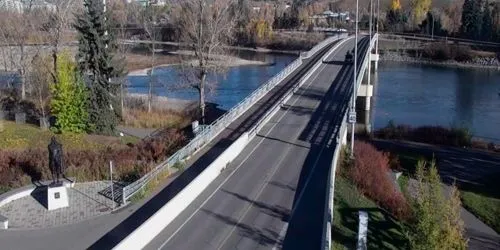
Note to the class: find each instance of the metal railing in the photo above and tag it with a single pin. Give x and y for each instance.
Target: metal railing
(212, 130)
(326, 242)
(322, 44)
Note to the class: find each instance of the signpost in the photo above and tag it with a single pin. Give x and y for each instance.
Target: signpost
(352, 117)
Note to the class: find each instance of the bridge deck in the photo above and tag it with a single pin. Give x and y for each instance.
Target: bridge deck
(250, 205)
(205, 156)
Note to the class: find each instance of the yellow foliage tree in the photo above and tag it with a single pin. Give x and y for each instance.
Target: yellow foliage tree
(260, 29)
(419, 10)
(395, 5)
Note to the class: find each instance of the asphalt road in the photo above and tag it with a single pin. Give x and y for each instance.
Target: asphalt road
(273, 193)
(198, 162)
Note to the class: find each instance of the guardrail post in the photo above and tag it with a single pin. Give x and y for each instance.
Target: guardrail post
(124, 198)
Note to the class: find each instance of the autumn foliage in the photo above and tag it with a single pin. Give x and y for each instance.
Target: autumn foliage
(20, 167)
(370, 172)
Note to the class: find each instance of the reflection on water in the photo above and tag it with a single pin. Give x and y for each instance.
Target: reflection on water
(429, 95)
(230, 89)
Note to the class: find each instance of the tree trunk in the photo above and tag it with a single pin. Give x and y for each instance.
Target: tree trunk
(22, 73)
(121, 98)
(202, 96)
(150, 92)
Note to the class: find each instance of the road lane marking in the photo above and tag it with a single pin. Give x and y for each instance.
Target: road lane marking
(241, 164)
(285, 226)
(277, 166)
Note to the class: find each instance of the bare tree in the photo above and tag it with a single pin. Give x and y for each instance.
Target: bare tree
(122, 13)
(16, 29)
(56, 23)
(207, 26)
(150, 19)
(40, 78)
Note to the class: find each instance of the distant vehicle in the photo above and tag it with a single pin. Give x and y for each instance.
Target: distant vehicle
(348, 57)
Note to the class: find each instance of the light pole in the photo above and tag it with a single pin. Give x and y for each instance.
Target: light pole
(353, 101)
(378, 18)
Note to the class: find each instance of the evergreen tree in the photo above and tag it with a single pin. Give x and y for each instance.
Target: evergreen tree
(487, 24)
(95, 59)
(471, 19)
(69, 97)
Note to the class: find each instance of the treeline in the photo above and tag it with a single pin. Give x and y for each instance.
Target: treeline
(469, 19)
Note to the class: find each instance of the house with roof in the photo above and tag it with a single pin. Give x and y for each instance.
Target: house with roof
(328, 18)
(22, 5)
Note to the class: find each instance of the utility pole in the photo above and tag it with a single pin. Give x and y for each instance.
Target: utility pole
(378, 20)
(111, 179)
(369, 55)
(353, 104)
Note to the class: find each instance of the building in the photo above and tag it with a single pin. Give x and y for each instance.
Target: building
(151, 2)
(21, 5)
(328, 18)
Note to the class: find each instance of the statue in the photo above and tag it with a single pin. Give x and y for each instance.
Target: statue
(55, 160)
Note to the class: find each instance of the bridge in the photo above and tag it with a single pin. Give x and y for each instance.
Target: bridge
(262, 175)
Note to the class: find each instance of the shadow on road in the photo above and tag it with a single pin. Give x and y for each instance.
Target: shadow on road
(265, 238)
(305, 229)
(227, 137)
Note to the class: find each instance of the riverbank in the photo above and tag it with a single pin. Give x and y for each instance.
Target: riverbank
(159, 102)
(477, 63)
(140, 65)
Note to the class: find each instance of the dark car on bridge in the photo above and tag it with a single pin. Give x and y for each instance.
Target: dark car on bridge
(348, 57)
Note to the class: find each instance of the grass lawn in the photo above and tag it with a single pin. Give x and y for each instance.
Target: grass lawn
(487, 209)
(384, 232)
(15, 136)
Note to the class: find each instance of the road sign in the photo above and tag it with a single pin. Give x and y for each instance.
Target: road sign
(352, 117)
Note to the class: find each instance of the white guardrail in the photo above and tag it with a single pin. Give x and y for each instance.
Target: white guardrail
(328, 218)
(212, 130)
(148, 230)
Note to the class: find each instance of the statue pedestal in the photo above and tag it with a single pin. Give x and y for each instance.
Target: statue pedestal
(57, 197)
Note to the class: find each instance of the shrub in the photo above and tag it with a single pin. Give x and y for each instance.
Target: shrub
(370, 173)
(17, 168)
(140, 118)
(459, 137)
(444, 52)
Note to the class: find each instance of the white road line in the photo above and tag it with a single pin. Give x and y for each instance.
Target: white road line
(285, 226)
(236, 169)
(277, 166)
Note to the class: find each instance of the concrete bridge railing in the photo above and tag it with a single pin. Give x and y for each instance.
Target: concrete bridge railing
(212, 130)
(339, 140)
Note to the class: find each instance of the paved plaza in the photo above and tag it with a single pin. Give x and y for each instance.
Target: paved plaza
(86, 201)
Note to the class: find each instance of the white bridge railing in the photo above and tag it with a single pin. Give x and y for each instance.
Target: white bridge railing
(342, 130)
(216, 127)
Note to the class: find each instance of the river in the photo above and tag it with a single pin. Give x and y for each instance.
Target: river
(406, 93)
(231, 88)
(432, 95)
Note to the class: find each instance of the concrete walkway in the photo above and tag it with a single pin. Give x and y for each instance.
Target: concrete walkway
(85, 202)
(470, 168)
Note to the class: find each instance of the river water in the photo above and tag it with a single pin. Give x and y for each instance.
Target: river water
(406, 93)
(432, 95)
(231, 88)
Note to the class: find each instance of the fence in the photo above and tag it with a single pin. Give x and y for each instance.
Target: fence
(340, 131)
(212, 130)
